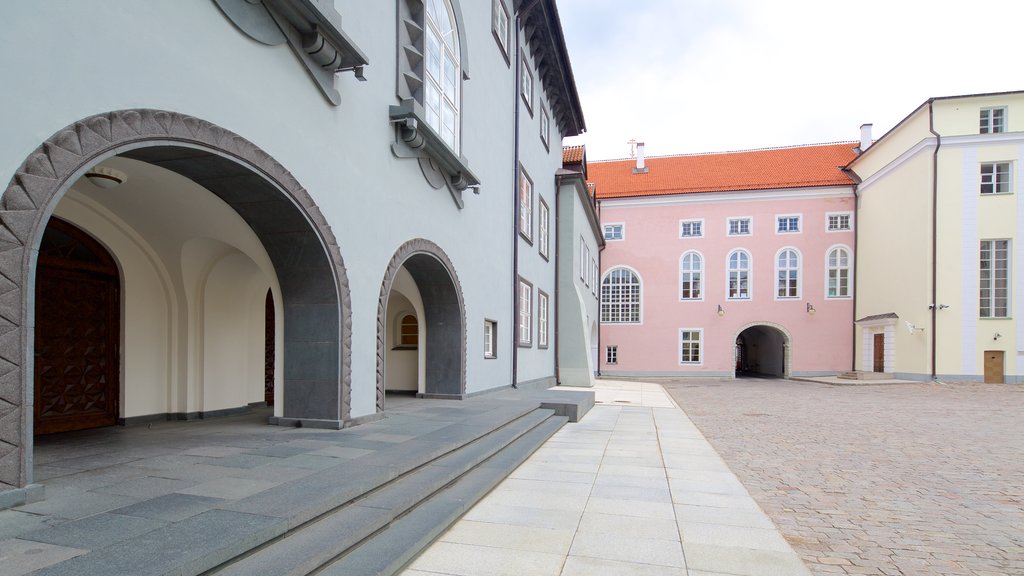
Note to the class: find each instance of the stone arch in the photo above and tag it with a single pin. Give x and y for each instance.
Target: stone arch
(441, 292)
(191, 147)
(787, 344)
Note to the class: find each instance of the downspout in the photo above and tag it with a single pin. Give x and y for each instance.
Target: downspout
(935, 231)
(856, 265)
(600, 249)
(558, 289)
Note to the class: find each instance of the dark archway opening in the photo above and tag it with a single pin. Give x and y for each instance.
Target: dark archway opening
(760, 352)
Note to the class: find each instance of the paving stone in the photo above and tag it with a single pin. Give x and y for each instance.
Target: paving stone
(79, 504)
(171, 508)
(18, 557)
(228, 488)
(94, 532)
(146, 487)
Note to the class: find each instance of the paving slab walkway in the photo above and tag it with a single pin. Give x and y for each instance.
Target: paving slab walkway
(632, 489)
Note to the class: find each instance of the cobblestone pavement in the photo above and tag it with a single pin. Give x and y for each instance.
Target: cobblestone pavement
(902, 479)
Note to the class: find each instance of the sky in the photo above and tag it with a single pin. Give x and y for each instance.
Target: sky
(688, 76)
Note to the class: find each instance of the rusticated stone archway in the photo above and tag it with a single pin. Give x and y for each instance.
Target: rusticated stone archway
(280, 211)
(444, 318)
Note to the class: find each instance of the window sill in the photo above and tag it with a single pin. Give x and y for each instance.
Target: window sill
(416, 139)
(405, 348)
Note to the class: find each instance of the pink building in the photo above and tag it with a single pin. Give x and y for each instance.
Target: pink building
(726, 263)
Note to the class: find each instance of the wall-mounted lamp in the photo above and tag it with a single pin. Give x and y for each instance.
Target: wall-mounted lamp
(106, 178)
(938, 306)
(810, 309)
(997, 336)
(721, 311)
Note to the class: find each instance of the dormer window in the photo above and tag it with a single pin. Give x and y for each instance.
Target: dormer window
(993, 120)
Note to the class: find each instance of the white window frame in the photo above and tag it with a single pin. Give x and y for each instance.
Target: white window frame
(698, 221)
(700, 346)
(503, 38)
(584, 256)
(526, 83)
(525, 205)
(622, 304)
(543, 228)
(595, 273)
(799, 223)
(796, 272)
(987, 121)
(545, 127)
(993, 175)
(993, 311)
(490, 339)
(621, 226)
(749, 270)
(849, 272)
(587, 266)
(452, 97)
(611, 354)
(838, 216)
(700, 276)
(525, 331)
(542, 319)
(738, 219)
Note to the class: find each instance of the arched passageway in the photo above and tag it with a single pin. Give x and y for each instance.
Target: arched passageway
(762, 350)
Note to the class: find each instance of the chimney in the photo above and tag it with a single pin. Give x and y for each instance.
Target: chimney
(865, 136)
(640, 167)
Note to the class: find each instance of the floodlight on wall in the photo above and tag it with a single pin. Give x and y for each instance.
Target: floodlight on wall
(106, 178)
(997, 336)
(810, 309)
(721, 311)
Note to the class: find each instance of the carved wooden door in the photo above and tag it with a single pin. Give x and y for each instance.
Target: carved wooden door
(879, 350)
(77, 364)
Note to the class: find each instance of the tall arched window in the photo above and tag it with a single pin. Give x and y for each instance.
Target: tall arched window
(739, 275)
(691, 277)
(838, 273)
(442, 71)
(620, 297)
(787, 274)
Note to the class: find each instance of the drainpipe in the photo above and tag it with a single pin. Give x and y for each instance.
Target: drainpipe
(558, 263)
(600, 249)
(935, 230)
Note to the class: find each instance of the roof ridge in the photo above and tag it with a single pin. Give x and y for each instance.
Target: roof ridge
(767, 149)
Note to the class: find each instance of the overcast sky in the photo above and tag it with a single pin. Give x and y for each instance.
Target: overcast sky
(715, 75)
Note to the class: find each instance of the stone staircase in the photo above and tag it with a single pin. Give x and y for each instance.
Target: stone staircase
(861, 375)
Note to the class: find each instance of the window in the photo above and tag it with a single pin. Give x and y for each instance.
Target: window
(611, 354)
(408, 332)
(594, 272)
(543, 227)
(442, 71)
(614, 231)
(545, 126)
(787, 273)
(526, 84)
(995, 279)
(739, 226)
(584, 255)
(739, 275)
(490, 339)
(620, 297)
(838, 273)
(500, 26)
(993, 120)
(788, 224)
(995, 178)
(690, 277)
(542, 319)
(525, 313)
(838, 222)
(691, 228)
(689, 346)
(525, 205)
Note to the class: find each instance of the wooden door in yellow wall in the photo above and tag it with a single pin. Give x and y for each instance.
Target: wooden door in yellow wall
(879, 353)
(994, 366)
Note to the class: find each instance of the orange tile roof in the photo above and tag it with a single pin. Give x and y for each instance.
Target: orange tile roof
(767, 169)
(572, 154)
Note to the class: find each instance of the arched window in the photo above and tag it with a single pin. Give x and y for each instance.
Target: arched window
(620, 297)
(739, 275)
(442, 70)
(408, 331)
(691, 277)
(787, 274)
(838, 273)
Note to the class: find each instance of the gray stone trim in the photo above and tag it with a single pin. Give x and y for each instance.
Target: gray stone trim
(26, 205)
(21, 496)
(404, 252)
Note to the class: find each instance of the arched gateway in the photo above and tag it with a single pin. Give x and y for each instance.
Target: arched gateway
(295, 235)
(763, 349)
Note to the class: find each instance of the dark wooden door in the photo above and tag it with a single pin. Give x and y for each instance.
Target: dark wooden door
(879, 353)
(77, 335)
(994, 366)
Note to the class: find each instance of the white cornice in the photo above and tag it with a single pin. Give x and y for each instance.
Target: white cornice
(730, 197)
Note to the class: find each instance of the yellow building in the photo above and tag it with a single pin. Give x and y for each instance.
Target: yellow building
(940, 210)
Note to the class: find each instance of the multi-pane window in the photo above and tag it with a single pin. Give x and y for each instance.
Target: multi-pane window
(500, 25)
(543, 228)
(525, 204)
(594, 272)
(542, 319)
(993, 120)
(490, 339)
(838, 222)
(614, 231)
(995, 279)
(788, 224)
(442, 70)
(611, 354)
(525, 313)
(838, 273)
(584, 255)
(545, 126)
(995, 177)
(620, 297)
(691, 228)
(691, 268)
(787, 273)
(526, 84)
(739, 275)
(739, 226)
(408, 331)
(689, 346)
(587, 266)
